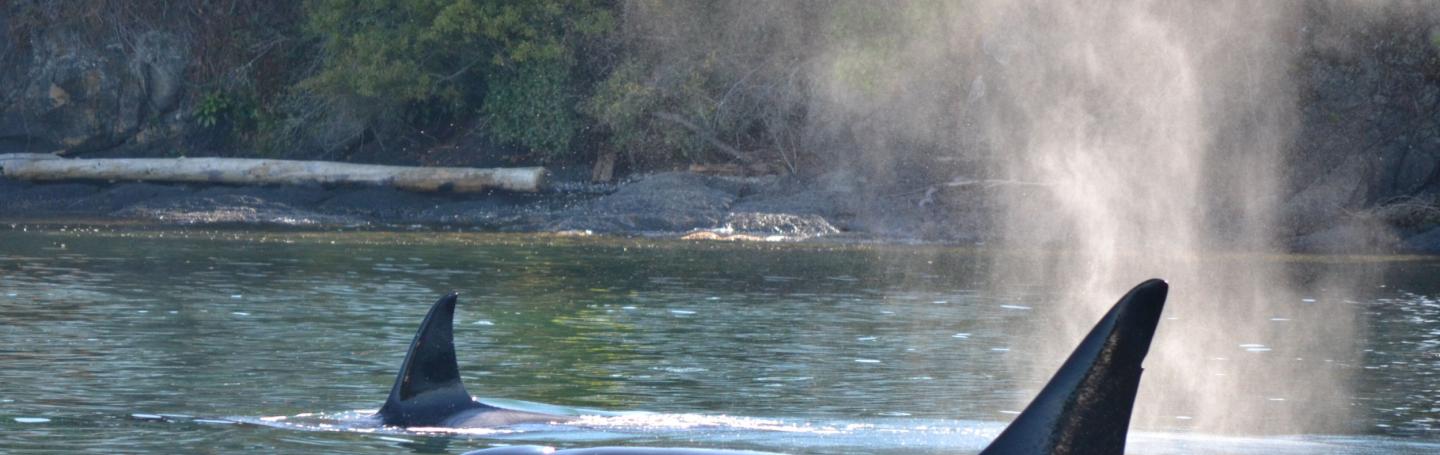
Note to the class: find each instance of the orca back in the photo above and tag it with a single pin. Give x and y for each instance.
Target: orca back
(545, 450)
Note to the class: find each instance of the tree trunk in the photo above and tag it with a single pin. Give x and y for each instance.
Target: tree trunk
(245, 171)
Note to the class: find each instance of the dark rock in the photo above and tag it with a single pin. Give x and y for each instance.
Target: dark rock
(12, 186)
(243, 206)
(1427, 242)
(668, 202)
(794, 196)
(126, 194)
(494, 213)
(62, 190)
(1350, 236)
(1366, 133)
(48, 199)
(823, 206)
(1410, 214)
(291, 195)
(81, 97)
(77, 198)
(1334, 192)
(791, 226)
(379, 203)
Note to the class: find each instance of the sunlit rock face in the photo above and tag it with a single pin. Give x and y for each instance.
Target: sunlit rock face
(76, 91)
(1367, 149)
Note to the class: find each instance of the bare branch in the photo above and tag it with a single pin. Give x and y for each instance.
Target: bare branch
(716, 142)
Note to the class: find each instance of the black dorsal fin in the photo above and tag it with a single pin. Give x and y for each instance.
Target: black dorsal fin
(428, 389)
(1086, 406)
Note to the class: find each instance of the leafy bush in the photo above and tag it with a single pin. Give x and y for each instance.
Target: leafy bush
(708, 81)
(533, 105)
(212, 108)
(426, 61)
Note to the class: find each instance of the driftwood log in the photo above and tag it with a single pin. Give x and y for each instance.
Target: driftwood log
(246, 171)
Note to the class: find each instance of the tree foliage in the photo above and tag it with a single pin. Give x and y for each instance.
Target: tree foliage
(663, 83)
(708, 81)
(421, 61)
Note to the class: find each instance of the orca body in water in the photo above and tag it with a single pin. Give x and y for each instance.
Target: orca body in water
(1085, 408)
(546, 450)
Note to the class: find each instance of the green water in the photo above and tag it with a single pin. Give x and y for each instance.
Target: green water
(782, 347)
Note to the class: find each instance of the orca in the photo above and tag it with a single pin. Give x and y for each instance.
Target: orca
(1084, 409)
(428, 391)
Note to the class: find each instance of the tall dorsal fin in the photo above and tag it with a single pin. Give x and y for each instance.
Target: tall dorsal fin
(428, 389)
(1085, 408)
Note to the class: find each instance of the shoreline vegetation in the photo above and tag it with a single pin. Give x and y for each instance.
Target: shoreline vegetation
(738, 120)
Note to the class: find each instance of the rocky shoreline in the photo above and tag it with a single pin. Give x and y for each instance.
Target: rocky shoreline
(1359, 171)
(671, 204)
(658, 204)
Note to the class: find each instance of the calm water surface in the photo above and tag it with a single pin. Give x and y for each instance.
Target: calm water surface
(272, 342)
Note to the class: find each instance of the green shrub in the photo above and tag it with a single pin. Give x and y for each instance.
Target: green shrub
(707, 82)
(533, 106)
(626, 103)
(213, 107)
(425, 61)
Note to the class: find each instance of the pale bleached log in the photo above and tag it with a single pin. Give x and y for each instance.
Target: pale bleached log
(246, 171)
(28, 156)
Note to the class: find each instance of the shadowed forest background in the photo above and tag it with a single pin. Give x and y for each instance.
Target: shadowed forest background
(904, 99)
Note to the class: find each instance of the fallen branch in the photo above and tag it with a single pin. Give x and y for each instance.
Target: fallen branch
(245, 171)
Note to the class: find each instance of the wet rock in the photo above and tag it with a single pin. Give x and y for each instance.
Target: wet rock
(716, 236)
(118, 197)
(127, 194)
(1427, 242)
(292, 195)
(243, 206)
(11, 187)
(486, 213)
(75, 199)
(1411, 214)
(790, 226)
(1318, 204)
(795, 196)
(668, 202)
(379, 203)
(48, 199)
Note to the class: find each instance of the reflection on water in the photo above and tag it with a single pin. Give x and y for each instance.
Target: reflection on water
(796, 348)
